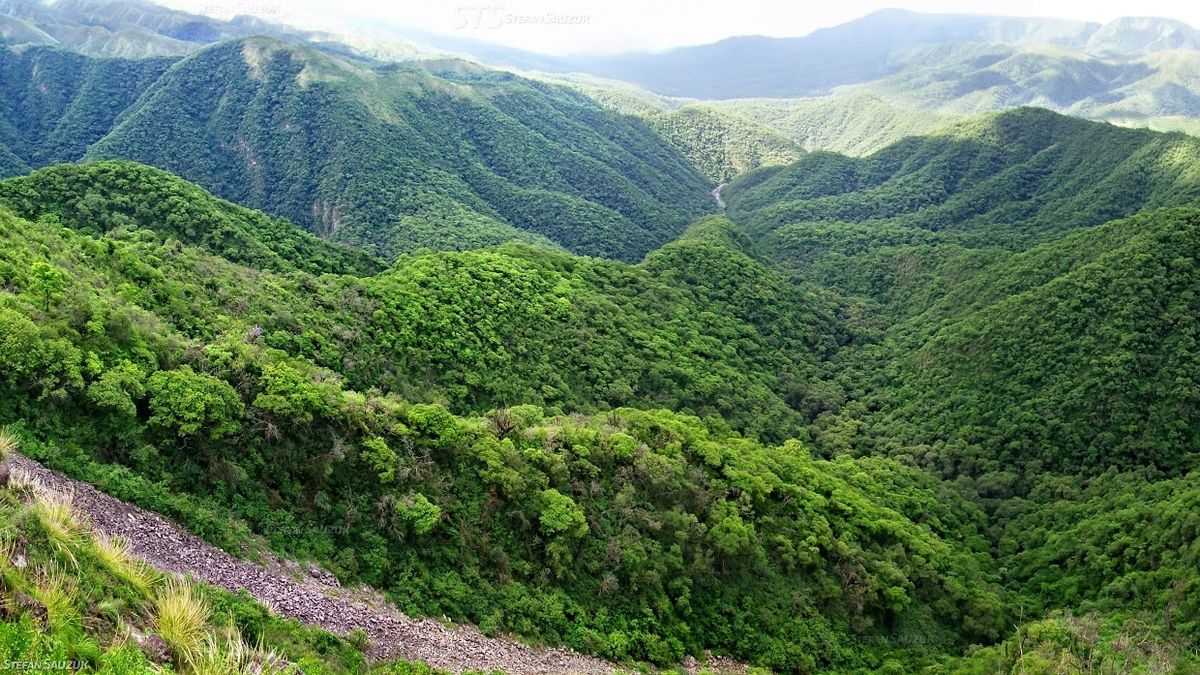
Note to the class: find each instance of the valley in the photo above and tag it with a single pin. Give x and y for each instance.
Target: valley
(538, 372)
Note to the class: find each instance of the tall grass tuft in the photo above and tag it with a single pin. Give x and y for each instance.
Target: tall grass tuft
(23, 484)
(233, 656)
(114, 554)
(8, 443)
(181, 618)
(57, 592)
(62, 525)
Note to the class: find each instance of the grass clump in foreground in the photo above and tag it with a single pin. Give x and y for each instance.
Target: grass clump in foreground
(69, 596)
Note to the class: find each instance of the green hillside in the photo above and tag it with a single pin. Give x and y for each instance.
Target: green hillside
(851, 124)
(378, 158)
(632, 534)
(100, 604)
(473, 330)
(54, 104)
(1009, 180)
(106, 196)
(1071, 369)
(441, 155)
(722, 146)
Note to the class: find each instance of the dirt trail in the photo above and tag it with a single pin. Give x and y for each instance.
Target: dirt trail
(311, 596)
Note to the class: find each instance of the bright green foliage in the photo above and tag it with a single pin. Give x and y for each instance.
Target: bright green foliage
(185, 402)
(46, 282)
(1118, 541)
(560, 515)
(633, 534)
(421, 514)
(1073, 356)
(722, 146)
(475, 330)
(106, 196)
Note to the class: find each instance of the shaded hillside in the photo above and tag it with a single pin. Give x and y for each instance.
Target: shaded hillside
(1082, 368)
(55, 104)
(1008, 180)
(440, 155)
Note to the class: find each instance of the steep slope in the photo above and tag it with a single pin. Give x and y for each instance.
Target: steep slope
(1009, 180)
(440, 155)
(308, 597)
(54, 104)
(633, 534)
(73, 594)
(722, 146)
(986, 352)
(104, 196)
(1082, 369)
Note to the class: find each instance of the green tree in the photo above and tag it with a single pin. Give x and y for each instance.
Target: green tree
(186, 403)
(46, 282)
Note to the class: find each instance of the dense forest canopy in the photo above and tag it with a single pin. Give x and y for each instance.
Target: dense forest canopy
(482, 342)
(389, 159)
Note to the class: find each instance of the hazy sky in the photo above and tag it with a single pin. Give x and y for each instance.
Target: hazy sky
(623, 25)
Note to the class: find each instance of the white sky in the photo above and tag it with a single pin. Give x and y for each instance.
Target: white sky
(625, 25)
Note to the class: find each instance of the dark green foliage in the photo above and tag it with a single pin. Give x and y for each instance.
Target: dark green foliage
(1073, 356)
(104, 196)
(1111, 542)
(377, 158)
(54, 104)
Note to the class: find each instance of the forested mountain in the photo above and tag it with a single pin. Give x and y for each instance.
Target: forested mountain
(133, 346)
(1007, 180)
(390, 159)
(119, 28)
(862, 85)
(474, 330)
(479, 341)
(722, 146)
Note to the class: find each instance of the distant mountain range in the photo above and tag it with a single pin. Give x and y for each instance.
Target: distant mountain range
(873, 47)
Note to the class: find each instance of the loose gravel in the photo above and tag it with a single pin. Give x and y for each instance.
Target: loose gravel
(309, 595)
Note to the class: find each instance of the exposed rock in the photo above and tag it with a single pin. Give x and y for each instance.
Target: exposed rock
(155, 648)
(25, 604)
(314, 598)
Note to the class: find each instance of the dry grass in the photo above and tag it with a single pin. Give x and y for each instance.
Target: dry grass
(8, 443)
(22, 484)
(232, 656)
(64, 528)
(181, 619)
(56, 590)
(114, 554)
